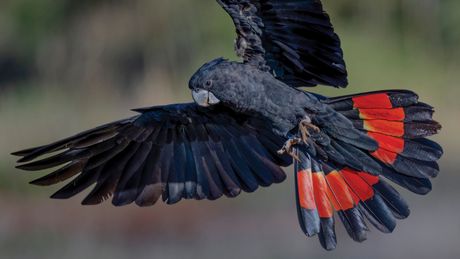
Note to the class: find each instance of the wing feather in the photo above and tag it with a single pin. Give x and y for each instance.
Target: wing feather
(175, 152)
(293, 39)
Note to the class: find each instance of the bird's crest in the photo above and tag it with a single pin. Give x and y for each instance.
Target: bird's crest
(212, 63)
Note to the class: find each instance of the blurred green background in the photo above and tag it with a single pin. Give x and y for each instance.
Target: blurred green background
(67, 65)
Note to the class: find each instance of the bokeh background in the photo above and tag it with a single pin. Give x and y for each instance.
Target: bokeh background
(68, 65)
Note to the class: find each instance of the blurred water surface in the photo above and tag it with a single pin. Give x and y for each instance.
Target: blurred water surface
(69, 65)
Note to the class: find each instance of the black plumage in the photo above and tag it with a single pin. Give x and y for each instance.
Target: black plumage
(247, 118)
(190, 152)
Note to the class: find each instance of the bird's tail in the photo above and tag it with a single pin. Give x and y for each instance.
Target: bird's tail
(399, 123)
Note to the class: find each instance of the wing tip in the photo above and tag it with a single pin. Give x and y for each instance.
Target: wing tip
(39, 182)
(25, 152)
(59, 196)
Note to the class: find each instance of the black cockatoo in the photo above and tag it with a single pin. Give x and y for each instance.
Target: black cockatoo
(249, 119)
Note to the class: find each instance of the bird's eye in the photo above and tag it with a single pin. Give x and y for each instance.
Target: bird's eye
(208, 83)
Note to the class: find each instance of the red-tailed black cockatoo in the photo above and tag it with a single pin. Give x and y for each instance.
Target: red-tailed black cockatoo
(249, 119)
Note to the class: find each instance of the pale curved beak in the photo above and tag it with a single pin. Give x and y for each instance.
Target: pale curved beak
(204, 98)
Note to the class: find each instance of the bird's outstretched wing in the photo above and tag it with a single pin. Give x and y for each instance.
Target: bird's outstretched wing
(177, 151)
(293, 39)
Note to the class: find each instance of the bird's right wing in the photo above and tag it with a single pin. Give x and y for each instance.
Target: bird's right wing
(293, 39)
(178, 152)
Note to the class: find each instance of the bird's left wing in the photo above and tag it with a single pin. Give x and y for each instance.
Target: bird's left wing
(293, 39)
(180, 151)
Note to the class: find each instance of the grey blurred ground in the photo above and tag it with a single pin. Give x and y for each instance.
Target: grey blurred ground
(66, 66)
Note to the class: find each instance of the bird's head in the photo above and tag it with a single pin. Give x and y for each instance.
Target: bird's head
(206, 83)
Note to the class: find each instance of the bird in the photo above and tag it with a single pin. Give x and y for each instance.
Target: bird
(253, 117)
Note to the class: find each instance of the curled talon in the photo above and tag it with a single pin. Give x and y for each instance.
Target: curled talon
(304, 127)
(288, 148)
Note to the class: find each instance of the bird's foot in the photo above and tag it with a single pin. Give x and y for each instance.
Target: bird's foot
(288, 147)
(304, 128)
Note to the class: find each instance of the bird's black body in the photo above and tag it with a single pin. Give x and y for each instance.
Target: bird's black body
(344, 149)
(247, 89)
